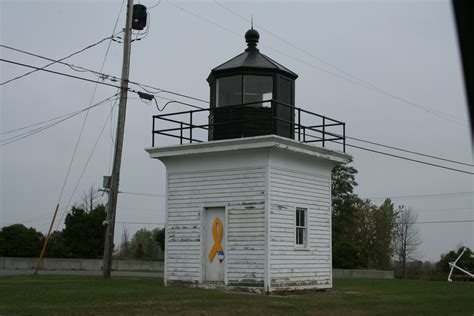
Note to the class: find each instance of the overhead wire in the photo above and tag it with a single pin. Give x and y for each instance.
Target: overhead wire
(445, 222)
(16, 138)
(179, 94)
(411, 151)
(53, 61)
(142, 194)
(197, 99)
(84, 168)
(84, 123)
(105, 77)
(358, 81)
(408, 159)
(429, 196)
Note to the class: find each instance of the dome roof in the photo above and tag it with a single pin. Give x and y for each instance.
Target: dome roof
(251, 59)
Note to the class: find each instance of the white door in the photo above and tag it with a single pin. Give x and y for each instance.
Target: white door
(214, 254)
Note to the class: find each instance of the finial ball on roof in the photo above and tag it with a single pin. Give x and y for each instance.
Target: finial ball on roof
(251, 37)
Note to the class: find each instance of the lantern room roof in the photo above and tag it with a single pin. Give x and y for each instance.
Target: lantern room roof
(252, 59)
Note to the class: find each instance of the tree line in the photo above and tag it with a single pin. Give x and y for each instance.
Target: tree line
(83, 236)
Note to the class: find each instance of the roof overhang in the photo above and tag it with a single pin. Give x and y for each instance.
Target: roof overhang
(267, 141)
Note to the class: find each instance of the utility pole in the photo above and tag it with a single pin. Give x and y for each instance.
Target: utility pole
(114, 185)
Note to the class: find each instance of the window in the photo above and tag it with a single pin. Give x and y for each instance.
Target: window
(229, 91)
(258, 89)
(301, 227)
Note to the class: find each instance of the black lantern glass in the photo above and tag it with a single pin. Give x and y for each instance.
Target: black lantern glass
(251, 95)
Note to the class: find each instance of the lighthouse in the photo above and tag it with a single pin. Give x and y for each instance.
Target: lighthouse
(248, 182)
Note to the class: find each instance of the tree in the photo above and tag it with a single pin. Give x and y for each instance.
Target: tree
(342, 185)
(140, 243)
(406, 238)
(346, 249)
(466, 262)
(144, 244)
(19, 241)
(84, 232)
(362, 233)
(90, 199)
(384, 219)
(57, 246)
(124, 251)
(159, 237)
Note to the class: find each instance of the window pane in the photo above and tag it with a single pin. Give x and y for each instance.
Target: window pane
(284, 90)
(228, 91)
(299, 236)
(297, 217)
(257, 89)
(302, 219)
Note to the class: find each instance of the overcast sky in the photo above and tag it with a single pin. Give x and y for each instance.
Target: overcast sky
(406, 50)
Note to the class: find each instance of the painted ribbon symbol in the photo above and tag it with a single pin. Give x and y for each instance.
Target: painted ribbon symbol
(217, 230)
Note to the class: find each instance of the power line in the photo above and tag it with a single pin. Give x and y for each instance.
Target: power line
(53, 61)
(408, 159)
(432, 195)
(64, 211)
(16, 138)
(354, 146)
(446, 222)
(62, 74)
(359, 80)
(105, 76)
(141, 223)
(197, 99)
(142, 194)
(411, 151)
(445, 209)
(91, 99)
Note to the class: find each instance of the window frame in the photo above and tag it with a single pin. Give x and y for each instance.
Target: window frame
(304, 228)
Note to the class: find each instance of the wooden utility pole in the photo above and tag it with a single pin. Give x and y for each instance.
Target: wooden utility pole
(114, 185)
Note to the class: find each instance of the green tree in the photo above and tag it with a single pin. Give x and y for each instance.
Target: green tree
(124, 250)
(140, 243)
(57, 246)
(19, 241)
(466, 262)
(362, 233)
(84, 232)
(347, 252)
(384, 219)
(159, 237)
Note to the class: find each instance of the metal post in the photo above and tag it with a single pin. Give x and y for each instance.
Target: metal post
(324, 129)
(109, 236)
(191, 126)
(344, 137)
(153, 134)
(299, 124)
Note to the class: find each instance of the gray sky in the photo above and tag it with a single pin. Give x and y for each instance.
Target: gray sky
(406, 48)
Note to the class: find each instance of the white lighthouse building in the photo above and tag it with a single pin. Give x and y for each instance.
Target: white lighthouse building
(249, 205)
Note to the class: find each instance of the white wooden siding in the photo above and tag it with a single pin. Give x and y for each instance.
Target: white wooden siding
(242, 191)
(291, 267)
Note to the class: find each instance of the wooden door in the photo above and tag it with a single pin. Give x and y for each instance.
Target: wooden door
(214, 254)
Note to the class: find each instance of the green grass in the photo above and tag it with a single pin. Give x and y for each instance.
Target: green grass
(49, 295)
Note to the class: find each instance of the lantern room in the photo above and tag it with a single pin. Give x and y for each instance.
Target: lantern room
(251, 95)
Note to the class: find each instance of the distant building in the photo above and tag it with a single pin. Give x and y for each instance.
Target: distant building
(248, 193)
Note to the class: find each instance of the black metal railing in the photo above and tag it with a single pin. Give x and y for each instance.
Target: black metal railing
(303, 125)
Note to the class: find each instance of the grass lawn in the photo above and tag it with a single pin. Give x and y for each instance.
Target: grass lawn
(48, 295)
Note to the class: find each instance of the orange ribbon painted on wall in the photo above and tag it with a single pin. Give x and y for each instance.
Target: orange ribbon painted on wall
(217, 231)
